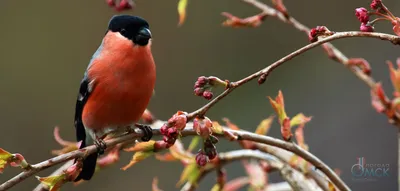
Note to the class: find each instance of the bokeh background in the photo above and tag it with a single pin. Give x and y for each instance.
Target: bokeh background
(46, 46)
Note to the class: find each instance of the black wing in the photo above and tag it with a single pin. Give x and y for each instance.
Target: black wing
(83, 96)
(89, 163)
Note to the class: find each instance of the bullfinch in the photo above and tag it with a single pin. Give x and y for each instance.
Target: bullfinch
(116, 87)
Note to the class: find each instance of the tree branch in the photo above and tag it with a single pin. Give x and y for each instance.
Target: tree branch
(285, 156)
(332, 51)
(242, 135)
(296, 180)
(266, 71)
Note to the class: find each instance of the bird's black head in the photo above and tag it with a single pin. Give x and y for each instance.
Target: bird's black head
(132, 27)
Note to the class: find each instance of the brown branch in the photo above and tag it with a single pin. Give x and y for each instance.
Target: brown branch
(242, 135)
(266, 71)
(81, 153)
(296, 180)
(285, 156)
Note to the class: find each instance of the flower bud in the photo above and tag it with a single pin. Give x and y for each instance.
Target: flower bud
(208, 95)
(362, 14)
(366, 28)
(201, 159)
(376, 4)
(202, 126)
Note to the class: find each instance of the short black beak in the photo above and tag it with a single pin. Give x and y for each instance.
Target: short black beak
(145, 32)
(143, 36)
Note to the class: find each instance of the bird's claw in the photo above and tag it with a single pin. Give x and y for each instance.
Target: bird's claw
(147, 132)
(100, 145)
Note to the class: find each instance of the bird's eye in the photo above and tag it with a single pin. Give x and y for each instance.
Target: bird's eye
(123, 31)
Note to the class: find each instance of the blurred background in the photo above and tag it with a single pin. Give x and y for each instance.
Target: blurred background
(46, 46)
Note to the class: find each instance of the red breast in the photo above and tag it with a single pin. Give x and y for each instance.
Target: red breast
(124, 77)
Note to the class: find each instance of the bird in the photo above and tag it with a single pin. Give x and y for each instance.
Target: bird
(116, 87)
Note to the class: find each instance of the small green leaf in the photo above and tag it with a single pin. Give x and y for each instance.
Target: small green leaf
(182, 11)
(53, 182)
(137, 157)
(4, 159)
(190, 174)
(216, 187)
(142, 146)
(264, 126)
(299, 119)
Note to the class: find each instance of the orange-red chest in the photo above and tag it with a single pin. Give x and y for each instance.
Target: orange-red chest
(124, 78)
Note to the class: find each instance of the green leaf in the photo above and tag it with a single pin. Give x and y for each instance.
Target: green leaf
(53, 182)
(182, 11)
(137, 157)
(264, 126)
(190, 174)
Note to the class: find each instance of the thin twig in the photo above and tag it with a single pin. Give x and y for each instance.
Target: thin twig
(333, 53)
(266, 71)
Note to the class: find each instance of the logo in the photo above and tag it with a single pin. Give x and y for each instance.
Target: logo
(369, 172)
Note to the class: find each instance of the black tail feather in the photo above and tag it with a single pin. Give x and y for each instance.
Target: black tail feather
(89, 166)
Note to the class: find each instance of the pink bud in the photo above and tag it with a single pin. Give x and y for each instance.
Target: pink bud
(172, 133)
(202, 80)
(164, 129)
(208, 95)
(202, 126)
(321, 29)
(180, 121)
(396, 26)
(124, 5)
(201, 159)
(73, 171)
(315, 32)
(110, 3)
(312, 35)
(198, 91)
(362, 14)
(376, 4)
(366, 28)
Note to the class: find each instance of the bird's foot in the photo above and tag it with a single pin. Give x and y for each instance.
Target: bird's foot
(100, 145)
(147, 131)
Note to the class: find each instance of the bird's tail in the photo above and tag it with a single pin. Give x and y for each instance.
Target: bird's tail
(89, 165)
